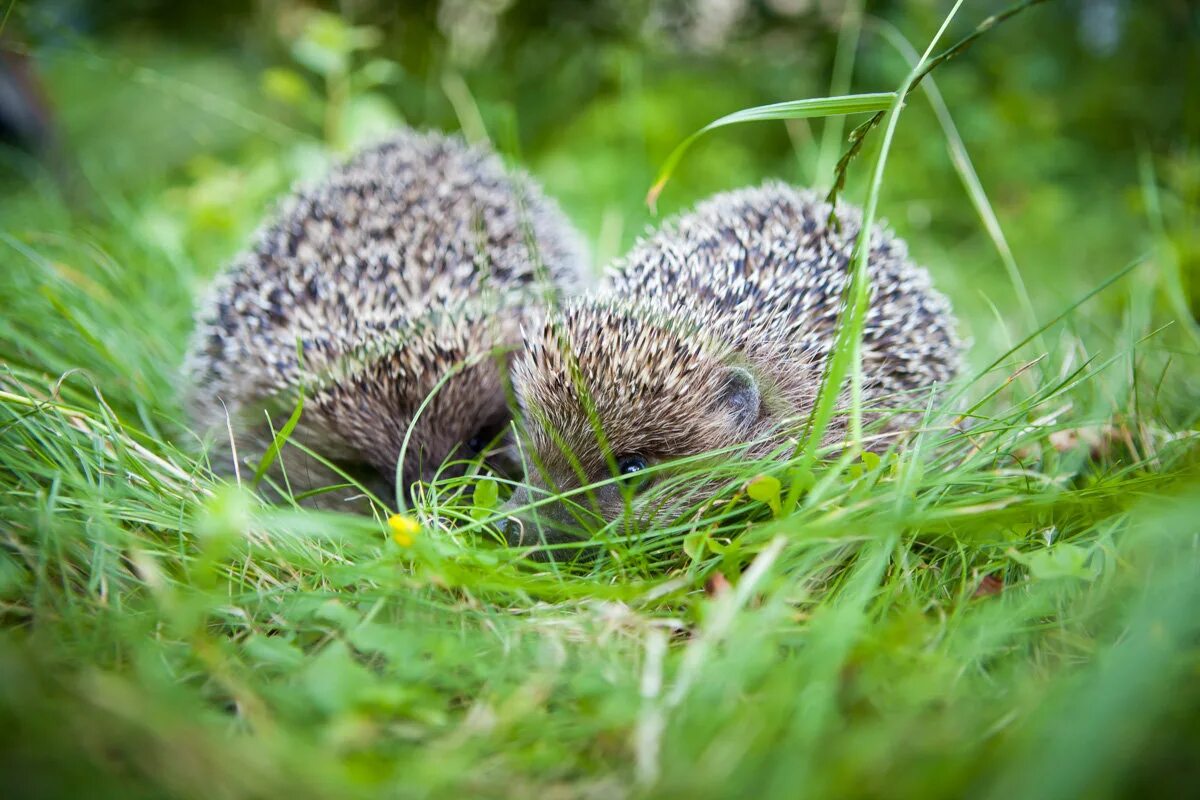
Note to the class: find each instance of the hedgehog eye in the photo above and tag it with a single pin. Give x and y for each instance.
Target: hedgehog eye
(630, 468)
(483, 437)
(630, 465)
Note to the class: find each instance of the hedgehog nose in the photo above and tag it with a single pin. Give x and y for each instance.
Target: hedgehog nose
(545, 524)
(529, 528)
(542, 534)
(514, 527)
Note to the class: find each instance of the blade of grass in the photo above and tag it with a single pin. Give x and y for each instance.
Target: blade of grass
(963, 165)
(839, 84)
(1107, 282)
(846, 356)
(859, 135)
(277, 443)
(1172, 277)
(791, 109)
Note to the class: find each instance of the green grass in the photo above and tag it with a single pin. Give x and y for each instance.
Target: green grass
(1002, 608)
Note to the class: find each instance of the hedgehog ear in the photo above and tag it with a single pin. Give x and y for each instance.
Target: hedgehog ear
(739, 397)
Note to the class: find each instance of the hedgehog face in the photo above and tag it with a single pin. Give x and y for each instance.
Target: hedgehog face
(465, 418)
(383, 260)
(422, 406)
(607, 392)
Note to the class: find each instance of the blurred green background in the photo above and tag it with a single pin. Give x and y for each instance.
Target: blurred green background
(197, 115)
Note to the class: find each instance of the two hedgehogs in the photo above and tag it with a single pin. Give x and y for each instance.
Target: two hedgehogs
(400, 300)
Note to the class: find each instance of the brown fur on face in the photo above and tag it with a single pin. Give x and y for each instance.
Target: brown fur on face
(358, 410)
(714, 334)
(452, 392)
(689, 394)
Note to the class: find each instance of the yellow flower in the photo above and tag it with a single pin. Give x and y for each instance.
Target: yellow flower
(404, 529)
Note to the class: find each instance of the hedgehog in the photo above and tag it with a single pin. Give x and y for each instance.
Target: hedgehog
(384, 302)
(712, 335)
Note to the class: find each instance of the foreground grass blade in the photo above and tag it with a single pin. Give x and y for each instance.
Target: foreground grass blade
(278, 442)
(859, 135)
(846, 358)
(792, 109)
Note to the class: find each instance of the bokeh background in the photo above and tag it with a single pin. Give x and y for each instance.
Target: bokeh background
(1080, 116)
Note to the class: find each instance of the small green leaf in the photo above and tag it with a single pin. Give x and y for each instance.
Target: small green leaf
(338, 614)
(389, 642)
(803, 479)
(870, 460)
(223, 520)
(368, 117)
(485, 498)
(327, 42)
(765, 489)
(379, 71)
(334, 680)
(694, 544)
(286, 86)
(487, 493)
(718, 547)
(1058, 562)
(273, 651)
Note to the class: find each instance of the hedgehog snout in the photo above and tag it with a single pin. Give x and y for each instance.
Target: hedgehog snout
(533, 517)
